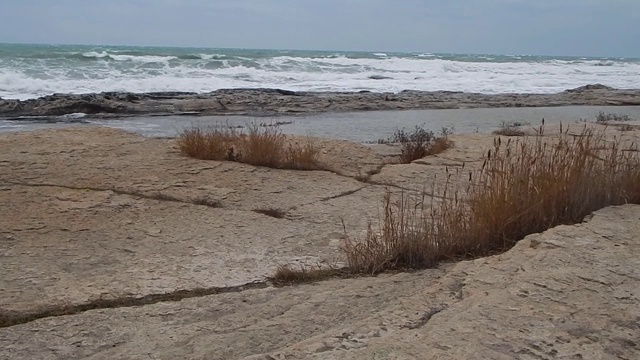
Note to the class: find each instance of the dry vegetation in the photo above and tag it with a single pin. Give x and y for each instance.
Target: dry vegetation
(626, 127)
(290, 275)
(510, 128)
(419, 143)
(260, 146)
(524, 187)
(603, 118)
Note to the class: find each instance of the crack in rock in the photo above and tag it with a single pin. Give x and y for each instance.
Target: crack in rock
(158, 195)
(343, 194)
(424, 319)
(12, 318)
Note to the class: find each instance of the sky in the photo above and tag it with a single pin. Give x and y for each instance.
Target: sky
(523, 27)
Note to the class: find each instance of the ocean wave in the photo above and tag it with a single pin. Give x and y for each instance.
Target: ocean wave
(95, 55)
(127, 57)
(199, 70)
(212, 56)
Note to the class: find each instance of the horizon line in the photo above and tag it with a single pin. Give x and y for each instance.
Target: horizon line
(329, 50)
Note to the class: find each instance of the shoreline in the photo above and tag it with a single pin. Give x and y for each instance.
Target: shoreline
(277, 102)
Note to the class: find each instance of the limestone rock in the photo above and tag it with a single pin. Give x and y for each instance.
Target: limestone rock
(277, 101)
(569, 293)
(150, 254)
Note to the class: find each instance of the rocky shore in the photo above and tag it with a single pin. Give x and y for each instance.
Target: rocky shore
(270, 102)
(116, 246)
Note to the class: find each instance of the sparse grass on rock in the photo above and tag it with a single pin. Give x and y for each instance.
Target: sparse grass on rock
(509, 128)
(214, 143)
(603, 118)
(626, 127)
(523, 187)
(419, 143)
(259, 146)
(291, 275)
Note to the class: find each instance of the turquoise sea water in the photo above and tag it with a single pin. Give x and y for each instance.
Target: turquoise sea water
(30, 71)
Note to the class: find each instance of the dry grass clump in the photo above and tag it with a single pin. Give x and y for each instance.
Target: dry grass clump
(626, 127)
(290, 275)
(302, 157)
(259, 146)
(603, 118)
(523, 187)
(399, 242)
(214, 143)
(509, 128)
(419, 143)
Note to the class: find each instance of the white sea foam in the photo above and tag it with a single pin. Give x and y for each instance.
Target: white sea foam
(210, 56)
(144, 59)
(94, 54)
(204, 72)
(118, 57)
(74, 116)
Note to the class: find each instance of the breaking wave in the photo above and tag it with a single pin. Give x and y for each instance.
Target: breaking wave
(31, 71)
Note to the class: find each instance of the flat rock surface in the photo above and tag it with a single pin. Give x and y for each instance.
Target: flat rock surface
(156, 255)
(282, 102)
(572, 292)
(100, 213)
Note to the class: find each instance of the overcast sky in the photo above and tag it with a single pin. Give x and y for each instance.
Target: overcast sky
(537, 27)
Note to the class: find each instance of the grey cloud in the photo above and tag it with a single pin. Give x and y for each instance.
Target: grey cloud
(554, 27)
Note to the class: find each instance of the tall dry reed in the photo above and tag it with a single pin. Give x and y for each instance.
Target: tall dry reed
(523, 187)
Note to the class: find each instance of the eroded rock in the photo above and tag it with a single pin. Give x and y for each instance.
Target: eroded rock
(152, 254)
(282, 102)
(571, 292)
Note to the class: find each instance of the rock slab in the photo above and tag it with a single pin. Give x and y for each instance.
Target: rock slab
(572, 292)
(273, 102)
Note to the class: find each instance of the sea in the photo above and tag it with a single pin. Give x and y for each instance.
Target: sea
(31, 71)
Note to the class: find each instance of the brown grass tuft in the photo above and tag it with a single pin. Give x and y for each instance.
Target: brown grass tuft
(419, 143)
(214, 143)
(259, 146)
(509, 129)
(626, 127)
(523, 187)
(603, 118)
(287, 275)
(397, 244)
(263, 146)
(302, 157)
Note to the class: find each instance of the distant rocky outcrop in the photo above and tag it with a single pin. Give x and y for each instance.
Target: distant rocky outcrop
(281, 102)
